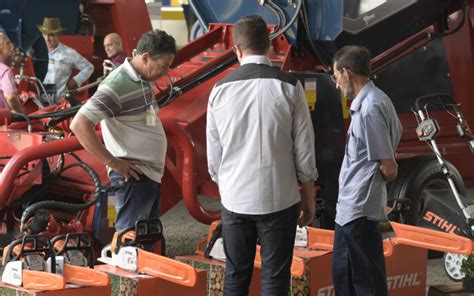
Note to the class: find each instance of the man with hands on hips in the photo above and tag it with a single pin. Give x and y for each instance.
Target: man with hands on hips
(134, 138)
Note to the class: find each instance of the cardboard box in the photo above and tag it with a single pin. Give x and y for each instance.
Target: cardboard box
(405, 265)
(215, 274)
(131, 284)
(406, 272)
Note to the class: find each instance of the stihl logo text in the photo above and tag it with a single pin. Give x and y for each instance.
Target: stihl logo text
(393, 282)
(440, 222)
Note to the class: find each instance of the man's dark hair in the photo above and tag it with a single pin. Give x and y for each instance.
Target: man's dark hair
(251, 34)
(354, 58)
(156, 43)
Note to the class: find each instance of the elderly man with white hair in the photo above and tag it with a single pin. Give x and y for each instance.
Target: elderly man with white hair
(113, 49)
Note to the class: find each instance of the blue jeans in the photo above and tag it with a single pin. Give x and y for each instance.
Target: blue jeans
(136, 199)
(276, 234)
(358, 265)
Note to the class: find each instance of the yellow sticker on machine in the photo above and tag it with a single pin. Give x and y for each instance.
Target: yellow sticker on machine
(310, 91)
(111, 213)
(345, 106)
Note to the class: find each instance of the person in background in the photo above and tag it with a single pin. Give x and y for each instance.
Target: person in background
(113, 49)
(369, 163)
(8, 92)
(62, 61)
(135, 142)
(260, 143)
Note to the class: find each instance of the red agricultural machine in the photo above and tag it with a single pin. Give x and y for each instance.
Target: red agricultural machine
(420, 48)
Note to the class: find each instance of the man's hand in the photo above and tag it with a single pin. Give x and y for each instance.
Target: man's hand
(71, 84)
(126, 167)
(14, 103)
(307, 205)
(84, 130)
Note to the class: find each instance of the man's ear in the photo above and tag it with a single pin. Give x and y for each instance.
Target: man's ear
(145, 58)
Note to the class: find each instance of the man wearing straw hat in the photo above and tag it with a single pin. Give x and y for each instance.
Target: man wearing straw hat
(62, 60)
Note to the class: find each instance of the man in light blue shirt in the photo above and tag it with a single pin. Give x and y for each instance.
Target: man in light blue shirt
(369, 162)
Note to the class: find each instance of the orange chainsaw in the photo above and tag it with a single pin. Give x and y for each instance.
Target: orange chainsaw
(127, 251)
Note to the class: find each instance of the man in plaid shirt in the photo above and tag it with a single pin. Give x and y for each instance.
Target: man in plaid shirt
(62, 61)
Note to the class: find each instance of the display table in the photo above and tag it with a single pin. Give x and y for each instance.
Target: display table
(406, 272)
(131, 284)
(71, 290)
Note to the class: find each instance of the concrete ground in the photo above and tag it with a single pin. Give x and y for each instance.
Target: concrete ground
(182, 233)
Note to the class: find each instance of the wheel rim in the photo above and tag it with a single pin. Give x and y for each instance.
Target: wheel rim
(452, 266)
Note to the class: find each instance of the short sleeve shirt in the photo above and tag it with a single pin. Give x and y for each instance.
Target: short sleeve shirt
(373, 135)
(7, 84)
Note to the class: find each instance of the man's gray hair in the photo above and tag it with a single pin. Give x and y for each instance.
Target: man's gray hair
(354, 58)
(156, 43)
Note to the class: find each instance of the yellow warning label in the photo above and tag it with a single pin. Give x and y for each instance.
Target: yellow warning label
(345, 107)
(111, 213)
(310, 91)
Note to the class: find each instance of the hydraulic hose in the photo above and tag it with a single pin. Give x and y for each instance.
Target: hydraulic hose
(60, 205)
(196, 81)
(280, 15)
(323, 61)
(290, 23)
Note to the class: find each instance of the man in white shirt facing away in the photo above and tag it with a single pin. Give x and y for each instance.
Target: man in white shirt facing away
(260, 143)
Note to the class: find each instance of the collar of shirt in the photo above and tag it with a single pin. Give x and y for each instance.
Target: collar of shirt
(119, 57)
(256, 59)
(130, 70)
(58, 48)
(120, 53)
(355, 106)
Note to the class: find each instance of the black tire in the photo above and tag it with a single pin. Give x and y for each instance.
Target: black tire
(405, 168)
(419, 174)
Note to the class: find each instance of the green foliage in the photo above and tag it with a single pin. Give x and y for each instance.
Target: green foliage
(467, 266)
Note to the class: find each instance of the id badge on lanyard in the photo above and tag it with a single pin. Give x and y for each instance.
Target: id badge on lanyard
(150, 115)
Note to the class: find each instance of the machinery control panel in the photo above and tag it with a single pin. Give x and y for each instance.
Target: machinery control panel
(427, 130)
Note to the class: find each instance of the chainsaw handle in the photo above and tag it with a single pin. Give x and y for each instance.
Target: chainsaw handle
(144, 230)
(80, 241)
(31, 244)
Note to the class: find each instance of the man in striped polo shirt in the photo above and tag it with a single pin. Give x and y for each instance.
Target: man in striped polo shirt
(135, 142)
